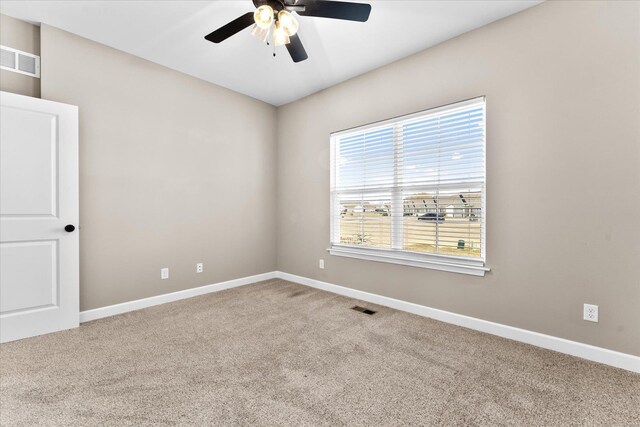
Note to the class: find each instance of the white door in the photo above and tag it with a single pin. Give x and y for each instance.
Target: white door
(38, 198)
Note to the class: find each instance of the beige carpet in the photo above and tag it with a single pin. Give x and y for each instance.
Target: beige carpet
(277, 353)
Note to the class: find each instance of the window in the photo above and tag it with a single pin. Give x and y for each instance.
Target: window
(411, 190)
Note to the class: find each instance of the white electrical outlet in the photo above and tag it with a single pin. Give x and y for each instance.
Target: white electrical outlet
(590, 313)
(321, 264)
(164, 273)
(199, 267)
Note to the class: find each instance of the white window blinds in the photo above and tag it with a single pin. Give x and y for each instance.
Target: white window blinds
(412, 187)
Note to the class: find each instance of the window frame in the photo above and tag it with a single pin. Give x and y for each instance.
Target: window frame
(458, 264)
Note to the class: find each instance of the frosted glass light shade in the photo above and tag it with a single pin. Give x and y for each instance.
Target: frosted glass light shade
(261, 33)
(263, 16)
(288, 22)
(280, 36)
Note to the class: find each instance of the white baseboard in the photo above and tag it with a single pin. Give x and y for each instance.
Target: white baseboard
(573, 348)
(112, 310)
(561, 345)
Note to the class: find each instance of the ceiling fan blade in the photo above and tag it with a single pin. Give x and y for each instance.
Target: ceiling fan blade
(231, 28)
(296, 50)
(336, 10)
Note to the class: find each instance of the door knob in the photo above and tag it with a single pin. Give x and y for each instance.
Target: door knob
(69, 228)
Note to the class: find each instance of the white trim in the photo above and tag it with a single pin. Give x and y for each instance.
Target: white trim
(483, 209)
(438, 262)
(112, 310)
(561, 345)
(454, 106)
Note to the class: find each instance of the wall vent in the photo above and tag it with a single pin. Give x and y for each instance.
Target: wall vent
(19, 62)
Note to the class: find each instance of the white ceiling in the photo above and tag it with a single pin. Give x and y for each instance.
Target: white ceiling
(171, 33)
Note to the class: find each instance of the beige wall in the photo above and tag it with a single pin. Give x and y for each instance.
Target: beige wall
(25, 37)
(562, 82)
(173, 171)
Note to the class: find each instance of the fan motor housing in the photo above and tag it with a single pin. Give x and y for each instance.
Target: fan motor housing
(275, 4)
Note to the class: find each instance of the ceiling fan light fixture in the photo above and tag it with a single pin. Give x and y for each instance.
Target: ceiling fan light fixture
(288, 22)
(280, 36)
(280, 15)
(263, 16)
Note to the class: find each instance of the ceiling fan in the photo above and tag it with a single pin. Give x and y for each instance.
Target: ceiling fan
(277, 14)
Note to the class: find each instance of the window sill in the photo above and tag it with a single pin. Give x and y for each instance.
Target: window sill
(434, 262)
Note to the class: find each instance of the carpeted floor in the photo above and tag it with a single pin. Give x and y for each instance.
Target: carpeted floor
(278, 353)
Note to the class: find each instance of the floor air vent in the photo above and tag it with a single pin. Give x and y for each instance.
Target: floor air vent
(363, 310)
(19, 62)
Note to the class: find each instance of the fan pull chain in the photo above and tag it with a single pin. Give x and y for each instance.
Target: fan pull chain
(274, 48)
